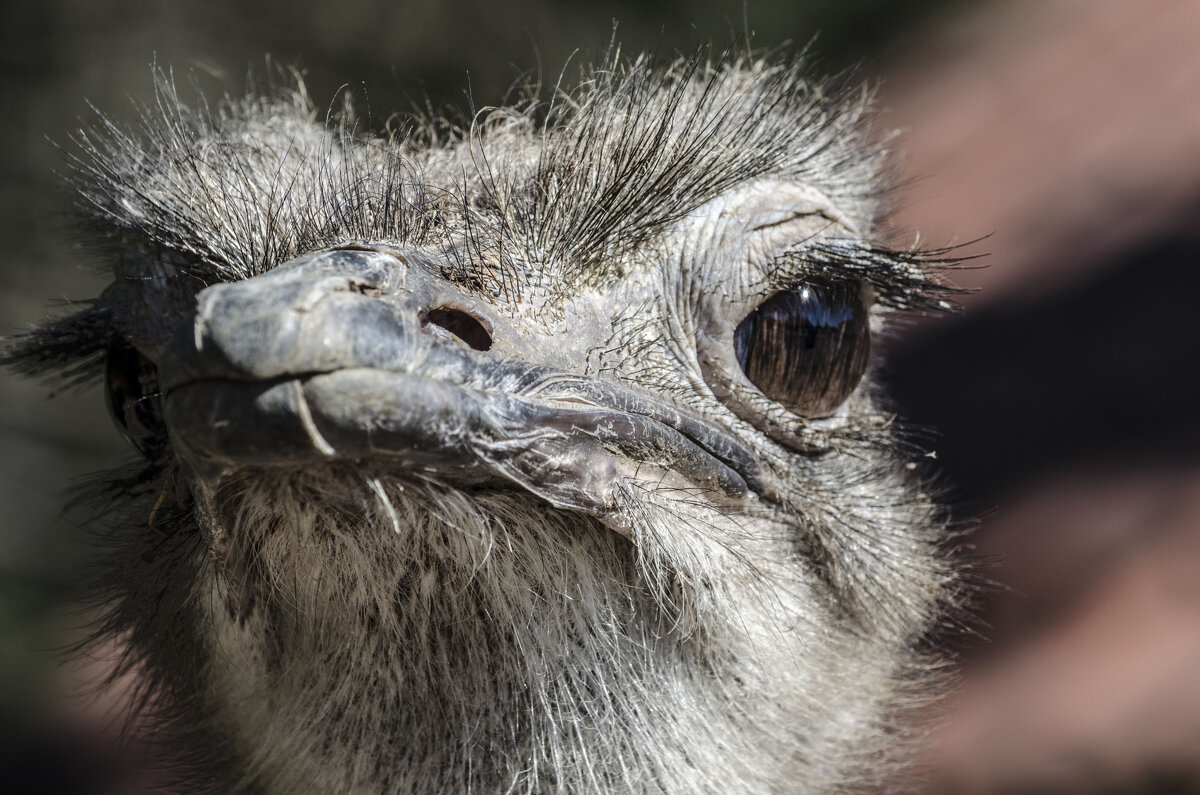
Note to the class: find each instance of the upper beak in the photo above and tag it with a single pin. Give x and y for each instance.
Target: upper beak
(326, 357)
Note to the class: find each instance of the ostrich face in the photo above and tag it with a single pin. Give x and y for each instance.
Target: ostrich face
(372, 352)
(532, 458)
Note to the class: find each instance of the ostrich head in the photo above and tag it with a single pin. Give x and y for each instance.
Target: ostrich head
(530, 455)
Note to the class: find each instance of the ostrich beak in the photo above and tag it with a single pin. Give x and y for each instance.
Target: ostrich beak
(327, 357)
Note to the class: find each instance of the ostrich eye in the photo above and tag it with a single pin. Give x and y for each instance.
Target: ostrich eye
(807, 348)
(131, 382)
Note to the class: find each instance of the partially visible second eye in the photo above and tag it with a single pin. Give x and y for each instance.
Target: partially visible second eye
(131, 383)
(807, 348)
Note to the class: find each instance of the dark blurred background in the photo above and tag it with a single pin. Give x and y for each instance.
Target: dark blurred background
(1065, 400)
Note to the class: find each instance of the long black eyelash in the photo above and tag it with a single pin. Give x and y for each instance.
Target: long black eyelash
(69, 351)
(910, 280)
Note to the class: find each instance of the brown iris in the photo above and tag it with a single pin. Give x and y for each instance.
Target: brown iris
(807, 348)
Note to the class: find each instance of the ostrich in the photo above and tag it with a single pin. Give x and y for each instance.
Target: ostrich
(536, 453)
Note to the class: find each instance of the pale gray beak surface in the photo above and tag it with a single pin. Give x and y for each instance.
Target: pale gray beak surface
(359, 354)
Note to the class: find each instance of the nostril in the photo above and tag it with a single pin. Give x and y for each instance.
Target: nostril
(369, 290)
(446, 320)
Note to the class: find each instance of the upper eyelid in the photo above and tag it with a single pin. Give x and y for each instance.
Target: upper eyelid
(796, 216)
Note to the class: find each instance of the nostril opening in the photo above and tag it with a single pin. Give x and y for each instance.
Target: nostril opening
(446, 320)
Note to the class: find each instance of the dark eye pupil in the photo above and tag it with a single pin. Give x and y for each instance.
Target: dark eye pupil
(807, 348)
(131, 381)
